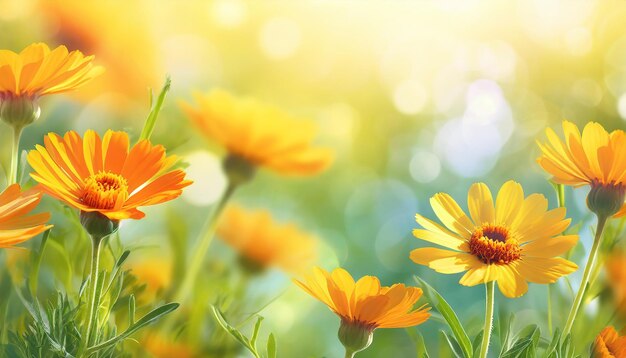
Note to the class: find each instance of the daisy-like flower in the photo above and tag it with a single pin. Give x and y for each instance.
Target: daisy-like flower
(365, 305)
(609, 344)
(261, 242)
(596, 158)
(105, 175)
(37, 71)
(258, 134)
(512, 242)
(16, 225)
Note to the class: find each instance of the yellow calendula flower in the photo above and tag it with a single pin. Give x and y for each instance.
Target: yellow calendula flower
(105, 175)
(262, 242)
(364, 305)
(595, 157)
(513, 242)
(38, 71)
(616, 276)
(16, 225)
(609, 344)
(155, 273)
(258, 133)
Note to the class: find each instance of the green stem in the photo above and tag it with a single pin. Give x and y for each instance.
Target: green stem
(490, 293)
(94, 297)
(586, 274)
(15, 154)
(560, 197)
(203, 247)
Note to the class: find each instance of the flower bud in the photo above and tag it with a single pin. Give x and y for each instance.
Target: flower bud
(355, 336)
(237, 169)
(606, 199)
(98, 225)
(19, 111)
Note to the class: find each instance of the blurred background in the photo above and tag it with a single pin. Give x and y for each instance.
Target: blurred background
(415, 97)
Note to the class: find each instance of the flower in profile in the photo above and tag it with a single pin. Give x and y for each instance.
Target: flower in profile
(164, 347)
(596, 158)
(609, 344)
(616, 276)
(511, 243)
(16, 225)
(261, 242)
(258, 134)
(38, 71)
(365, 305)
(105, 176)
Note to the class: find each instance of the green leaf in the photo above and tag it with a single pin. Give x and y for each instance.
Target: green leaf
(150, 317)
(554, 344)
(526, 345)
(271, 346)
(449, 315)
(131, 310)
(234, 331)
(452, 344)
(255, 333)
(148, 127)
(33, 277)
(418, 339)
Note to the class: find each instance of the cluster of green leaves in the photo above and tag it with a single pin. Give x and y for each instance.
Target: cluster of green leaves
(249, 343)
(527, 343)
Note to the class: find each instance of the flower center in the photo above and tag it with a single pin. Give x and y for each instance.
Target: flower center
(494, 245)
(105, 190)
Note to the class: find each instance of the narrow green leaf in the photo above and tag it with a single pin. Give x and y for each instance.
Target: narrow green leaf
(452, 344)
(233, 331)
(33, 277)
(255, 333)
(148, 127)
(271, 346)
(131, 310)
(449, 315)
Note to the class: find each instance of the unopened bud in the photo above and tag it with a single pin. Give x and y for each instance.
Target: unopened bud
(606, 199)
(98, 225)
(355, 336)
(19, 111)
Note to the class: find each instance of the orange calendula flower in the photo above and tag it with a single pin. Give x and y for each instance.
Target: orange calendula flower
(595, 157)
(104, 175)
(513, 242)
(365, 305)
(155, 273)
(162, 347)
(616, 276)
(258, 133)
(609, 344)
(16, 225)
(263, 243)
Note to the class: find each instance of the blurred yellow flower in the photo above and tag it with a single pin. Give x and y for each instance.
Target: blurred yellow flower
(609, 344)
(365, 305)
(265, 243)
(103, 175)
(156, 274)
(162, 347)
(514, 242)
(16, 226)
(38, 71)
(616, 276)
(261, 134)
(596, 158)
(109, 29)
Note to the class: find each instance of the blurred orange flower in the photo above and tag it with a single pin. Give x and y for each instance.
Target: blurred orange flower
(156, 274)
(616, 276)
(162, 347)
(259, 133)
(16, 226)
(38, 71)
(103, 175)
(259, 239)
(596, 158)
(609, 344)
(514, 242)
(108, 29)
(365, 302)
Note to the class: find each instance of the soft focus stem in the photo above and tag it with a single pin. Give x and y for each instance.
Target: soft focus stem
(15, 154)
(586, 274)
(349, 353)
(203, 247)
(490, 293)
(94, 299)
(560, 197)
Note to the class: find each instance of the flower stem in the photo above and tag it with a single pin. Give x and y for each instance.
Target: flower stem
(349, 353)
(586, 274)
(15, 154)
(94, 294)
(203, 247)
(490, 293)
